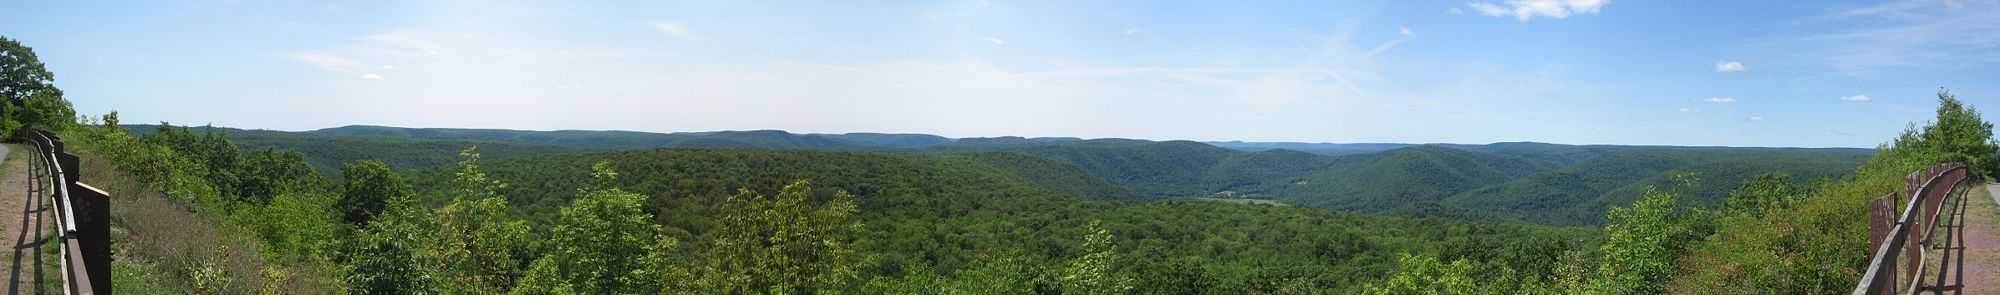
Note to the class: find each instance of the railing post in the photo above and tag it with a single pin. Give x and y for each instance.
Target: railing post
(93, 230)
(1913, 243)
(1881, 217)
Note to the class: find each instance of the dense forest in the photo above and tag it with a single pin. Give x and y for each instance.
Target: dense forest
(1530, 182)
(384, 210)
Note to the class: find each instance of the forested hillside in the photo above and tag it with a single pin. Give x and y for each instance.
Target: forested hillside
(1535, 182)
(608, 140)
(1396, 178)
(1578, 194)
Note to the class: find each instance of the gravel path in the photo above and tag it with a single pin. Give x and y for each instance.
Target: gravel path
(1982, 243)
(20, 224)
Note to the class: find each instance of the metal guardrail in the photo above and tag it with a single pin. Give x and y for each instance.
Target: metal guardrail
(1890, 235)
(83, 215)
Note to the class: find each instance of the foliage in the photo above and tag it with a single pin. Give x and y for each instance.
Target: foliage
(295, 225)
(368, 188)
(28, 94)
(1765, 194)
(598, 243)
(382, 259)
(783, 244)
(1643, 241)
(1425, 275)
(475, 243)
(1095, 272)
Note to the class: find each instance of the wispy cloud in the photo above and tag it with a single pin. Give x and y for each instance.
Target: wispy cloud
(1909, 34)
(1855, 98)
(1687, 110)
(371, 76)
(995, 41)
(1721, 99)
(1406, 32)
(676, 30)
(1728, 67)
(327, 62)
(1756, 118)
(1525, 10)
(1130, 31)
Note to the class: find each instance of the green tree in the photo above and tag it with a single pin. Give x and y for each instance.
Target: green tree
(111, 122)
(28, 94)
(1423, 275)
(1765, 193)
(1096, 272)
(297, 225)
(783, 244)
(383, 257)
(601, 238)
(370, 184)
(545, 277)
(1643, 241)
(474, 244)
(264, 173)
(1962, 136)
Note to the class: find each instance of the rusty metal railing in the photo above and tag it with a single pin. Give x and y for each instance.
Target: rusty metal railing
(1890, 235)
(82, 213)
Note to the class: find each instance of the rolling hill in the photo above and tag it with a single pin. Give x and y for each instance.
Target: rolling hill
(1579, 193)
(1537, 182)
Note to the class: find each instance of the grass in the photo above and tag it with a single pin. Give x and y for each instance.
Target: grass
(166, 240)
(140, 278)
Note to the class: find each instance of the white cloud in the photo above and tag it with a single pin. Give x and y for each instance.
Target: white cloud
(1524, 10)
(1129, 31)
(676, 30)
(1488, 9)
(329, 62)
(1455, 11)
(1407, 32)
(371, 76)
(388, 67)
(1756, 118)
(1721, 99)
(1728, 67)
(996, 41)
(1687, 110)
(985, 3)
(1855, 98)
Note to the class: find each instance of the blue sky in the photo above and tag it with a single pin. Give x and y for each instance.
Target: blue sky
(1739, 73)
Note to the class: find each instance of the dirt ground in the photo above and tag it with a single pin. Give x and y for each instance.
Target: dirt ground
(20, 224)
(1982, 241)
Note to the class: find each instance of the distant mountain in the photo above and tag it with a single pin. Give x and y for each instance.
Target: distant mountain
(1331, 149)
(1579, 193)
(1393, 179)
(1537, 182)
(328, 154)
(1151, 169)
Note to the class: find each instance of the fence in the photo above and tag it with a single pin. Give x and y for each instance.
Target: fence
(1890, 234)
(82, 213)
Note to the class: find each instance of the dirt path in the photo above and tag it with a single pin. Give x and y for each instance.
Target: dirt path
(1982, 241)
(20, 225)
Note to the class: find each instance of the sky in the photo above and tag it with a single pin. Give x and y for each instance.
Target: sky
(1734, 73)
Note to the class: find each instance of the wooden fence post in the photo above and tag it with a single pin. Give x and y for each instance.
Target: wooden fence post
(1881, 217)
